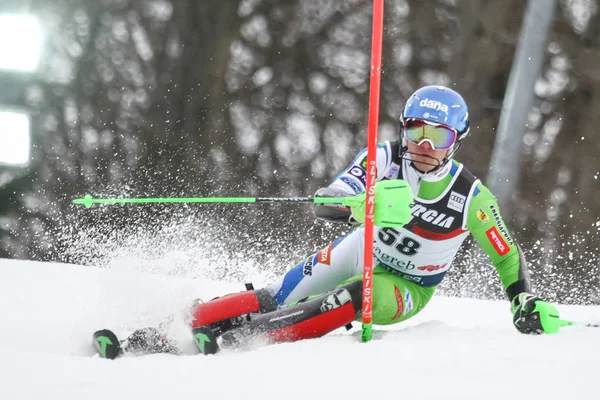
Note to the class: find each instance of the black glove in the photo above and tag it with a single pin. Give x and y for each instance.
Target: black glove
(532, 315)
(332, 212)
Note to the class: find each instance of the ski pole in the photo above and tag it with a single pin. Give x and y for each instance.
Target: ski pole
(88, 200)
(391, 210)
(580, 323)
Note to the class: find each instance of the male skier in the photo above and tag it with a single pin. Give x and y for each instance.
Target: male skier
(324, 291)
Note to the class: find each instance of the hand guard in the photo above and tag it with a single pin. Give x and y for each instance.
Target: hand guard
(532, 315)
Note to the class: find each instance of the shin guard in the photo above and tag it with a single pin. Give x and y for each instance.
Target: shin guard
(233, 305)
(305, 320)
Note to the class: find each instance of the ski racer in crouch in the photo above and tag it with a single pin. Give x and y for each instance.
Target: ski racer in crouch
(324, 291)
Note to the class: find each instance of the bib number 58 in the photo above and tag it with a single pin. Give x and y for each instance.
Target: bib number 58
(404, 245)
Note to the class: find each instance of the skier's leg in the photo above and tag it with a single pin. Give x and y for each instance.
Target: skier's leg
(317, 274)
(321, 271)
(395, 299)
(309, 318)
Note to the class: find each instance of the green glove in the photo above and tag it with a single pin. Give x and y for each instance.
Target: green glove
(532, 315)
(392, 204)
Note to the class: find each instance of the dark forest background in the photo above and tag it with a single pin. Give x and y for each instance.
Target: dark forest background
(270, 97)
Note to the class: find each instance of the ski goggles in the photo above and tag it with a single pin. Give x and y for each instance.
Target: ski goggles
(439, 136)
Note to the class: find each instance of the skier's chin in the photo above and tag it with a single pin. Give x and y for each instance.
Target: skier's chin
(425, 165)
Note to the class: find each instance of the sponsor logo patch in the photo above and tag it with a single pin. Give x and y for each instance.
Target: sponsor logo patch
(363, 163)
(352, 183)
(483, 217)
(324, 256)
(392, 262)
(359, 173)
(399, 301)
(408, 302)
(456, 201)
(431, 268)
(411, 278)
(500, 225)
(308, 265)
(431, 216)
(497, 241)
(393, 172)
(335, 300)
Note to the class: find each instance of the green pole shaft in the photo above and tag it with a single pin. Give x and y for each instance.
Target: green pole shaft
(88, 200)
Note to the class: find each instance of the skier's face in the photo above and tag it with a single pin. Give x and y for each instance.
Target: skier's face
(424, 156)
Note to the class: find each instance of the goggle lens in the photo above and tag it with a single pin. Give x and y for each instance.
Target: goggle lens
(440, 137)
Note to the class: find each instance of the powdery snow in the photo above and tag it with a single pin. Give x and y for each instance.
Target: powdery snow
(455, 349)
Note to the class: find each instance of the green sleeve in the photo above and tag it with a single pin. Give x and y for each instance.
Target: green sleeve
(486, 225)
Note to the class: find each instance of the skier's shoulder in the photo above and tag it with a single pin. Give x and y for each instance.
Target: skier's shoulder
(464, 173)
(470, 181)
(463, 180)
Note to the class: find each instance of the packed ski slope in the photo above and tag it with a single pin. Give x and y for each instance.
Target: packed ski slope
(456, 349)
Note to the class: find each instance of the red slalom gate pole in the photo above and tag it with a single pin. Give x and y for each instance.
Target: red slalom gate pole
(374, 90)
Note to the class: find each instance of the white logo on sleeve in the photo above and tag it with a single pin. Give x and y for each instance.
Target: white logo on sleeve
(456, 201)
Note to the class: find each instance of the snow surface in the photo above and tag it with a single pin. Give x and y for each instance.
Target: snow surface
(455, 349)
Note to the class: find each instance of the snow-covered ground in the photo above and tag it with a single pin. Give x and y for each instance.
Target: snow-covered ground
(456, 348)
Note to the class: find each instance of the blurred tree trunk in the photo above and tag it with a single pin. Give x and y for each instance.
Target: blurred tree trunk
(188, 115)
(480, 66)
